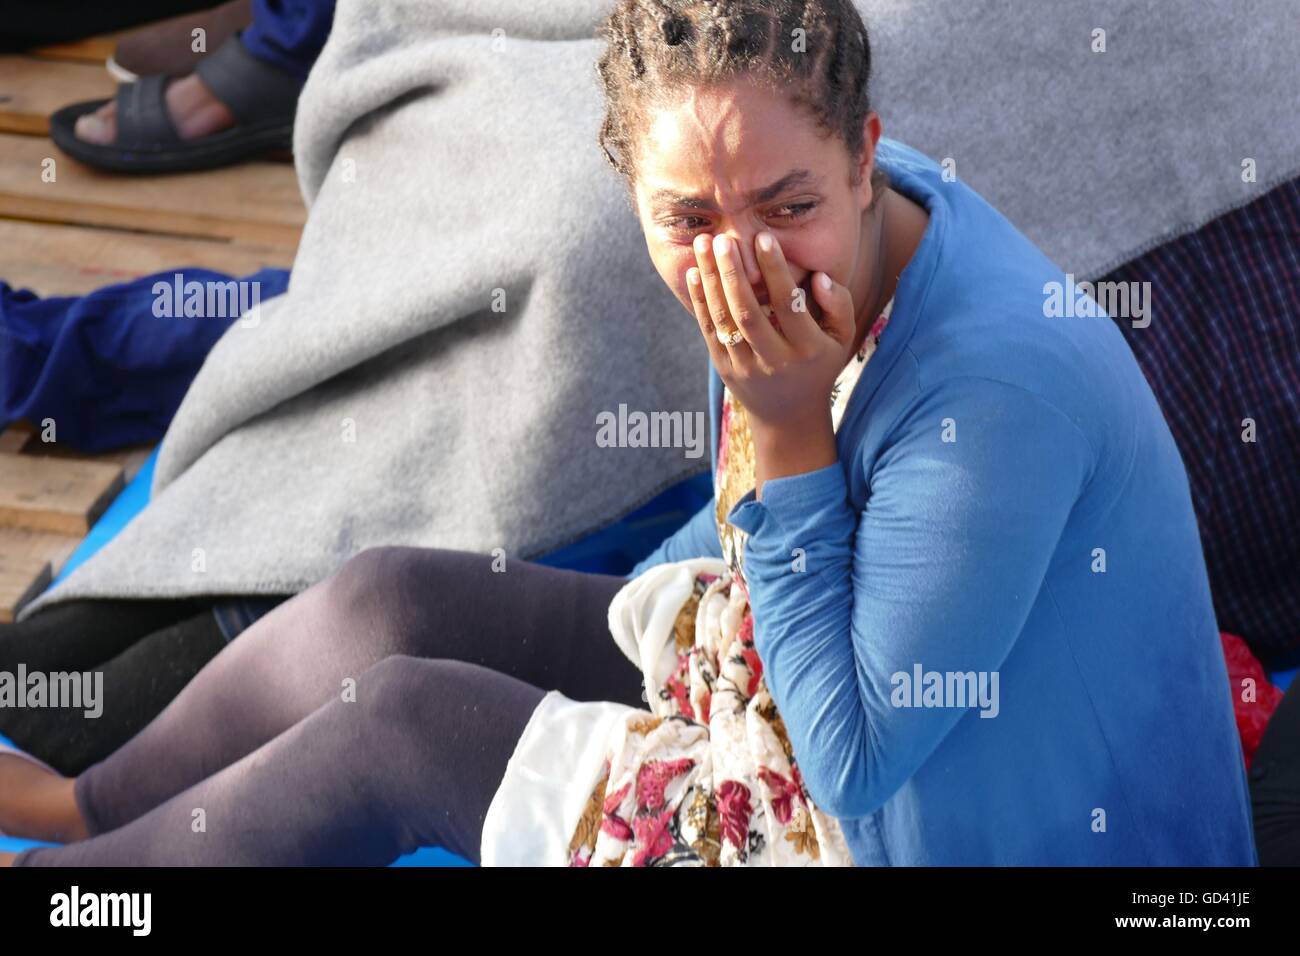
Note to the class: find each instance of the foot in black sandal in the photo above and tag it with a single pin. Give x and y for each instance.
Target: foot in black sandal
(192, 108)
(258, 99)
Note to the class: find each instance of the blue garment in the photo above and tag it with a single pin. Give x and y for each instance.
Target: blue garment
(991, 458)
(104, 366)
(289, 34)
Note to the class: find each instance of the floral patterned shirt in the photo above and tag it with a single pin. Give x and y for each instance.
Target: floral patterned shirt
(708, 776)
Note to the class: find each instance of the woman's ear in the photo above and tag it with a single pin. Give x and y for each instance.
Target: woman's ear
(870, 137)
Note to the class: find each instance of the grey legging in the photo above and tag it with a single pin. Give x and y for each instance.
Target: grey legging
(449, 659)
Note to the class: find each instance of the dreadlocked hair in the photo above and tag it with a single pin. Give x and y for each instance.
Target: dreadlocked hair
(815, 51)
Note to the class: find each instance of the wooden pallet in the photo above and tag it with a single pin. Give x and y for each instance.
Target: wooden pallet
(29, 561)
(254, 202)
(48, 501)
(94, 50)
(78, 231)
(34, 88)
(66, 259)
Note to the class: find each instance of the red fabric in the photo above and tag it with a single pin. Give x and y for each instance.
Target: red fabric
(1252, 714)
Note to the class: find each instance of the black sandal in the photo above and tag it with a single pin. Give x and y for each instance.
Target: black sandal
(262, 98)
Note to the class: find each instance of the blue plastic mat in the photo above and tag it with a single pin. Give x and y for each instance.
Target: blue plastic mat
(12, 845)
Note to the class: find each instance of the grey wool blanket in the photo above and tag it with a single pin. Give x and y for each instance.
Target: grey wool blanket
(472, 292)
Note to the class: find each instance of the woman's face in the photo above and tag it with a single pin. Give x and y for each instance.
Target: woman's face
(739, 160)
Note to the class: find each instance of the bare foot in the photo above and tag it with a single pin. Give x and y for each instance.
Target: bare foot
(194, 111)
(37, 804)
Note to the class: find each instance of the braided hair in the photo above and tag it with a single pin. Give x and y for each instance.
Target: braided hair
(815, 51)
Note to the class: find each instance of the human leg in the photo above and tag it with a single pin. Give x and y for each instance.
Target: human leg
(414, 760)
(544, 626)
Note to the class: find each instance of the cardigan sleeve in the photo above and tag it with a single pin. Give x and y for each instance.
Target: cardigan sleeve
(698, 538)
(966, 508)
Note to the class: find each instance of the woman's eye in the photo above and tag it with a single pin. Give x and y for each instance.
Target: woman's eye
(789, 212)
(795, 210)
(684, 222)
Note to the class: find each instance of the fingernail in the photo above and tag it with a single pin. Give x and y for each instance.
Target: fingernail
(693, 275)
(701, 243)
(824, 281)
(721, 246)
(765, 242)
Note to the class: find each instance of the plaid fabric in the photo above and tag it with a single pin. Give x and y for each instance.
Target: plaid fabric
(1223, 345)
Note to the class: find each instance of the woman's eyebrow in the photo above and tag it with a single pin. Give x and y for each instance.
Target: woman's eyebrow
(796, 177)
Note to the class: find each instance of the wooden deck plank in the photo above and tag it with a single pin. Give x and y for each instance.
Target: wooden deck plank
(29, 560)
(129, 459)
(90, 50)
(21, 580)
(255, 202)
(14, 438)
(63, 496)
(20, 438)
(85, 230)
(31, 89)
(73, 260)
(54, 549)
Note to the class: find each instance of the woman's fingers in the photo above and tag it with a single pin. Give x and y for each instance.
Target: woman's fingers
(836, 301)
(715, 299)
(717, 351)
(736, 318)
(742, 303)
(797, 323)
